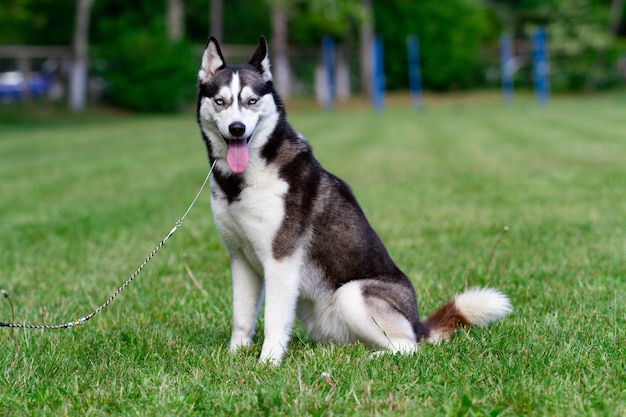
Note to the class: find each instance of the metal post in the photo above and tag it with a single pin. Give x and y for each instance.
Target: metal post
(415, 71)
(378, 76)
(328, 59)
(541, 67)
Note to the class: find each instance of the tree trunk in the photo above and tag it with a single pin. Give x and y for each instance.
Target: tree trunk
(343, 74)
(280, 47)
(78, 77)
(615, 16)
(216, 19)
(367, 34)
(175, 20)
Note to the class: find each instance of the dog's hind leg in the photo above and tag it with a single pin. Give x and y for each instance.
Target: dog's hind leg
(247, 285)
(375, 319)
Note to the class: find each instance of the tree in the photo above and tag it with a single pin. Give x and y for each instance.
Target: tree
(231, 21)
(366, 36)
(581, 35)
(449, 44)
(216, 17)
(280, 47)
(175, 20)
(615, 16)
(78, 77)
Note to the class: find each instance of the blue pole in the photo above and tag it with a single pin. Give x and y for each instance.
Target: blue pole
(415, 72)
(506, 68)
(378, 76)
(328, 59)
(541, 67)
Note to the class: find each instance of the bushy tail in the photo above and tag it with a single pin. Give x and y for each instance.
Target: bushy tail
(475, 307)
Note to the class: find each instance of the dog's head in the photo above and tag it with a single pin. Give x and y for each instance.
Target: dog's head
(237, 108)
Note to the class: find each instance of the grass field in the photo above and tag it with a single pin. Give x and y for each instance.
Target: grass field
(83, 203)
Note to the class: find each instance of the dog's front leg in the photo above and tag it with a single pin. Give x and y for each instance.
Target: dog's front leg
(246, 299)
(282, 283)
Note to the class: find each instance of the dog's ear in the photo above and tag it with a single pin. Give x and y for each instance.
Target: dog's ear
(212, 60)
(261, 60)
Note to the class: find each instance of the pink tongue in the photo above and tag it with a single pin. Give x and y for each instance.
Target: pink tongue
(237, 156)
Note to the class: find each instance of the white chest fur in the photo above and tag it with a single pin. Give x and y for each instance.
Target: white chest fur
(249, 224)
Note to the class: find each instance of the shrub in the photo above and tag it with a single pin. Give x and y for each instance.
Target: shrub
(450, 34)
(582, 52)
(147, 73)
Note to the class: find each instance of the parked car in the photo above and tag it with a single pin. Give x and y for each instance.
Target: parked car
(13, 84)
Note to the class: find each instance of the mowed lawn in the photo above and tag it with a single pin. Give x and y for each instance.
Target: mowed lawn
(83, 203)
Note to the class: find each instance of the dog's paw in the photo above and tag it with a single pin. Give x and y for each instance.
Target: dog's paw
(272, 353)
(379, 353)
(272, 361)
(237, 343)
(408, 348)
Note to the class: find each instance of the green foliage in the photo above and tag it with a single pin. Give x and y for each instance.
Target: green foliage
(37, 22)
(450, 33)
(582, 51)
(83, 203)
(310, 21)
(580, 46)
(148, 73)
(112, 19)
(143, 71)
(243, 21)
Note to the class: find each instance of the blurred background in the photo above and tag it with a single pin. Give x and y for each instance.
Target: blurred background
(143, 55)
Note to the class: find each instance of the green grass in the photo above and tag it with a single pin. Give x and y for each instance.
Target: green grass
(83, 203)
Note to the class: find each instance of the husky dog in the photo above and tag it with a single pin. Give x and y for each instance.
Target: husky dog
(296, 232)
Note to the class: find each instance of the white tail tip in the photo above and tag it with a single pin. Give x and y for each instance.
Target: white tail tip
(481, 306)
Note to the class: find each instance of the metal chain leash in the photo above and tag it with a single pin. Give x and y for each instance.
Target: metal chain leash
(83, 319)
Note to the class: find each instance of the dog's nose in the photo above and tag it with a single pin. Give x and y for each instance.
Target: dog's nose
(237, 129)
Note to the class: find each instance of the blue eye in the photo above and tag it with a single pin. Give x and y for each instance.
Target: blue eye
(252, 101)
(219, 101)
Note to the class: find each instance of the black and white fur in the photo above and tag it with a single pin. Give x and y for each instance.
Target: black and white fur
(297, 232)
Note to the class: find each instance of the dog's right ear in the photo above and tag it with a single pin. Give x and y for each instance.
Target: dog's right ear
(212, 60)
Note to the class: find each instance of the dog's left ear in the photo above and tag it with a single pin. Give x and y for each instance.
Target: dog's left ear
(261, 60)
